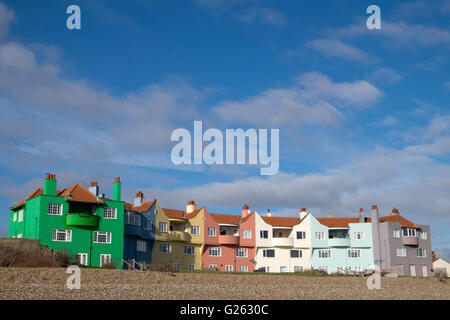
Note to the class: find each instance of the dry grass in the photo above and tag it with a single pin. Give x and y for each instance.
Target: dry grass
(32, 257)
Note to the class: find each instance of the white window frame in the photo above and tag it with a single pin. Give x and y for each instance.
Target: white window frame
(212, 266)
(177, 266)
(105, 258)
(195, 230)
(298, 269)
(190, 252)
(265, 253)
(324, 253)
(241, 253)
(410, 233)
(262, 233)
(354, 253)
(412, 270)
(55, 209)
(423, 251)
(82, 256)
(424, 235)
(110, 213)
(212, 232)
(57, 232)
(19, 236)
(229, 268)
(320, 235)
(359, 235)
(424, 271)
(15, 216)
(247, 234)
(401, 252)
(303, 235)
(243, 268)
(396, 234)
(163, 227)
(299, 251)
(107, 235)
(20, 219)
(215, 251)
(191, 266)
(164, 245)
(141, 245)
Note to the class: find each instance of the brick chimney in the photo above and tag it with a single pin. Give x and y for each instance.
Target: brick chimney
(245, 211)
(93, 188)
(302, 213)
(361, 215)
(190, 206)
(139, 200)
(268, 213)
(395, 212)
(50, 184)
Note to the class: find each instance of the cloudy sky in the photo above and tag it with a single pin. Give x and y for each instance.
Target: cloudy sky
(364, 115)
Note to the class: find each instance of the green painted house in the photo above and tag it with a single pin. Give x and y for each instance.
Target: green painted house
(82, 221)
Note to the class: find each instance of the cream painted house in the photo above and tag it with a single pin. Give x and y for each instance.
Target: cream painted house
(282, 243)
(440, 263)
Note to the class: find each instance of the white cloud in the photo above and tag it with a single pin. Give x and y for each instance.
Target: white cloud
(389, 121)
(339, 49)
(399, 33)
(385, 76)
(447, 85)
(314, 99)
(263, 15)
(7, 16)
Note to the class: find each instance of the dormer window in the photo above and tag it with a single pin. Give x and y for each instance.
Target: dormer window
(409, 232)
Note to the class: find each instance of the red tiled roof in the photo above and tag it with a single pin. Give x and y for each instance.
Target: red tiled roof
(398, 218)
(337, 222)
(178, 214)
(142, 208)
(35, 193)
(78, 193)
(226, 218)
(282, 221)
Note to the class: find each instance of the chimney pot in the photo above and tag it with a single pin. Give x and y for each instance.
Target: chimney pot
(302, 213)
(93, 188)
(190, 206)
(139, 200)
(245, 211)
(268, 212)
(330, 215)
(374, 207)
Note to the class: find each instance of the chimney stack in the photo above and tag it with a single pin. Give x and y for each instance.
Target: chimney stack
(117, 189)
(139, 200)
(93, 188)
(302, 213)
(394, 212)
(50, 184)
(361, 215)
(190, 206)
(245, 211)
(330, 215)
(268, 212)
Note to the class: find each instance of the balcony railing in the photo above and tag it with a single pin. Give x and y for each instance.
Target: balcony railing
(178, 236)
(282, 242)
(228, 239)
(410, 241)
(82, 220)
(339, 242)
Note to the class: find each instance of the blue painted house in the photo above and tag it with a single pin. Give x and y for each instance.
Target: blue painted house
(342, 244)
(139, 230)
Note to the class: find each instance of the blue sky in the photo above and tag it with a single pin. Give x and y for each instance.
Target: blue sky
(363, 114)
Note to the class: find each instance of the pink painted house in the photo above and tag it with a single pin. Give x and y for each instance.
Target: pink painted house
(230, 241)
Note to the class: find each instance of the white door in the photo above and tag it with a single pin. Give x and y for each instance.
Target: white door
(424, 271)
(413, 270)
(82, 258)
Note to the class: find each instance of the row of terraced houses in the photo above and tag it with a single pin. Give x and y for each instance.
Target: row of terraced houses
(97, 230)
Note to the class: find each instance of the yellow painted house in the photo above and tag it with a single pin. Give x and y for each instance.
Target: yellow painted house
(179, 237)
